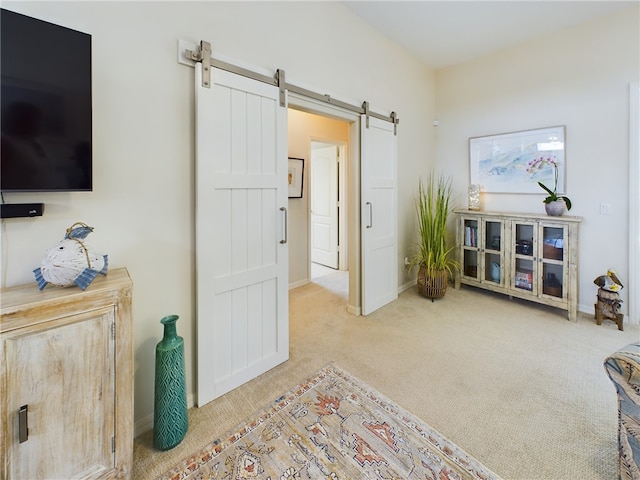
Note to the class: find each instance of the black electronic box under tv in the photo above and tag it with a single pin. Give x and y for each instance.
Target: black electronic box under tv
(46, 106)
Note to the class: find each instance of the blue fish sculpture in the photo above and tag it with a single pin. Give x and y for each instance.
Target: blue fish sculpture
(71, 261)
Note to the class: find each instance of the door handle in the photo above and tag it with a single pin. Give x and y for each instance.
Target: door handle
(370, 215)
(286, 221)
(23, 420)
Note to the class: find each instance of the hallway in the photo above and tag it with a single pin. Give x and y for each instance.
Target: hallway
(336, 281)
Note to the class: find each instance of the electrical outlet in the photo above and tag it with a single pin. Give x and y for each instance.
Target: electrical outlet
(406, 261)
(605, 209)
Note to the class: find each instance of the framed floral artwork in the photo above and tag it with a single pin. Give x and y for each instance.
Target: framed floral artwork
(515, 162)
(295, 177)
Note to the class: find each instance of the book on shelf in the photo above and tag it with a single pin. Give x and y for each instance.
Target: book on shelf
(470, 236)
(524, 279)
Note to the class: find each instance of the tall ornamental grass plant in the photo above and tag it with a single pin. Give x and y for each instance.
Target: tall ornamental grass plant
(433, 206)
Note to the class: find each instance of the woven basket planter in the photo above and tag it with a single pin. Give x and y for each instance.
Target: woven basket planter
(432, 284)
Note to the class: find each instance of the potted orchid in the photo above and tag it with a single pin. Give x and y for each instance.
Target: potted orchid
(554, 204)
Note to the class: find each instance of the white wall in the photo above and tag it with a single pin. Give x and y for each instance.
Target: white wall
(142, 206)
(579, 78)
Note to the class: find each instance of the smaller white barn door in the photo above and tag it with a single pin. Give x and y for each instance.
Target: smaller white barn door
(242, 254)
(324, 206)
(378, 214)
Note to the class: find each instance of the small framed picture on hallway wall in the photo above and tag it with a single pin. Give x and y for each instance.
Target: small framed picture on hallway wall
(295, 177)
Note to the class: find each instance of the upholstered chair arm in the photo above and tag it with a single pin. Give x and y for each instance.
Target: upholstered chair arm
(623, 367)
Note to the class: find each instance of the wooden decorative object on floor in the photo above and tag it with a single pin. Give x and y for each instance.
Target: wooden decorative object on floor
(609, 301)
(607, 307)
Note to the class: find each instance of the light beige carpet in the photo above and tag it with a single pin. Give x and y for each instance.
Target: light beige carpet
(513, 383)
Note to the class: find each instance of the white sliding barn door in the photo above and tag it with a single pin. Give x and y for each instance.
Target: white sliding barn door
(242, 255)
(379, 222)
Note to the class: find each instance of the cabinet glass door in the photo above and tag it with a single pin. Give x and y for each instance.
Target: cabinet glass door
(552, 258)
(492, 250)
(524, 260)
(469, 257)
(482, 250)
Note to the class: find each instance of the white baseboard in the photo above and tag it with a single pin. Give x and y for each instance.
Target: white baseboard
(299, 283)
(406, 286)
(143, 425)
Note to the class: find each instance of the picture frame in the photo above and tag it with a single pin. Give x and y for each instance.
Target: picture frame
(499, 163)
(295, 177)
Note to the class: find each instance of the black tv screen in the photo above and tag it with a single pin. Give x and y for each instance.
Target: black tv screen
(46, 106)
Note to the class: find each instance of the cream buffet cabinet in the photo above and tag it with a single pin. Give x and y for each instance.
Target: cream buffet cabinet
(67, 380)
(523, 255)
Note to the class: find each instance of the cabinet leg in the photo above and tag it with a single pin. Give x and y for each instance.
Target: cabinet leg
(573, 312)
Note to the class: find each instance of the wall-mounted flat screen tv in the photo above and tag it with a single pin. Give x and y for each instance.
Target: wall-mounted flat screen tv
(46, 106)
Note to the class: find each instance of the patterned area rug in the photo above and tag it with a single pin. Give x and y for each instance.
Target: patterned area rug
(332, 426)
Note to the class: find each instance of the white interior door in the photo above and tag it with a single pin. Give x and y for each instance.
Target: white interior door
(242, 254)
(324, 205)
(378, 214)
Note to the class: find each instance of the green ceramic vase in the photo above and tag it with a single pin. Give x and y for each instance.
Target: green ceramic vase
(170, 420)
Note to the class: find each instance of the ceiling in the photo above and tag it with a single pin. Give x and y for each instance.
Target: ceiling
(446, 33)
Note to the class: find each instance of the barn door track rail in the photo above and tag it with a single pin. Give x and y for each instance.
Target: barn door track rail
(203, 54)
